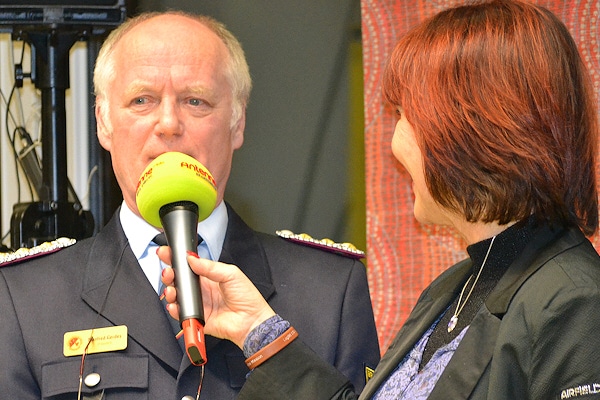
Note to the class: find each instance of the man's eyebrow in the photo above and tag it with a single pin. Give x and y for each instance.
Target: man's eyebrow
(139, 86)
(136, 87)
(199, 89)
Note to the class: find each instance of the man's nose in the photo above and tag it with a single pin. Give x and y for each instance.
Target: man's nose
(169, 122)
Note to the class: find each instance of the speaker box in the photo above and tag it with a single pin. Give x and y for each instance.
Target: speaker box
(96, 15)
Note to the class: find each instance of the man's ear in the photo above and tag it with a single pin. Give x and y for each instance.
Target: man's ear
(103, 125)
(237, 132)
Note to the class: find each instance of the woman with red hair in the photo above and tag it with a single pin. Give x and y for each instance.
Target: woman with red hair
(498, 129)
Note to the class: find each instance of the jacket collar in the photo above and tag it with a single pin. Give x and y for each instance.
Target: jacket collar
(243, 248)
(111, 272)
(546, 244)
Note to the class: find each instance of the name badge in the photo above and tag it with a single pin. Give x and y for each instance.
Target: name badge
(99, 340)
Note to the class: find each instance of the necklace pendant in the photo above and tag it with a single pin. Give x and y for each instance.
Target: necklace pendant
(452, 323)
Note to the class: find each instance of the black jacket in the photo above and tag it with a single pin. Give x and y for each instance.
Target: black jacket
(324, 295)
(536, 337)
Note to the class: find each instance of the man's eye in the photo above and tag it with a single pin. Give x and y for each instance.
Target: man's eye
(196, 102)
(140, 100)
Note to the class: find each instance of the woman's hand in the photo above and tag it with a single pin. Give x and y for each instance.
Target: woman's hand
(232, 304)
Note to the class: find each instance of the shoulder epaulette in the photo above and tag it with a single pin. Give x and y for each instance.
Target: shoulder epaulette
(347, 249)
(25, 253)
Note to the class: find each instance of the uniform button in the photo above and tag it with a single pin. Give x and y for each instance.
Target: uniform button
(187, 398)
(92, 379)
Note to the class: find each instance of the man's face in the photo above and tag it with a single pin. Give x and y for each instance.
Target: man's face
(170, 93)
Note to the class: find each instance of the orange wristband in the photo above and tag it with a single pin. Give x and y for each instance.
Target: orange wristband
(272, 348)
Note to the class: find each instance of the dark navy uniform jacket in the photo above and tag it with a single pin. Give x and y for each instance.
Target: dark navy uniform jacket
(99, 283)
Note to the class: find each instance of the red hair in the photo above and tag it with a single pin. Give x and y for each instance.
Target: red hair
(503, 111)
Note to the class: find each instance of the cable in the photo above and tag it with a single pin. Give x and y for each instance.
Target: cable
(88, 186)
(29, 161)
(11, 118)
(11, 140)
(8, 113)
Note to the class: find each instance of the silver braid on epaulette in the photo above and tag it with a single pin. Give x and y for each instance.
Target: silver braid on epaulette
(46, 247)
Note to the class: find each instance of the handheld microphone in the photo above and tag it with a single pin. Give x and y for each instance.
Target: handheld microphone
(174, 192)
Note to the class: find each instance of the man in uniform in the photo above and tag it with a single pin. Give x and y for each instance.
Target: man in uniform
(168, 82)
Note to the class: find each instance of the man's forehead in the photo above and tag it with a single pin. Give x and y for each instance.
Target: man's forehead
(168, 27)
(174, 51)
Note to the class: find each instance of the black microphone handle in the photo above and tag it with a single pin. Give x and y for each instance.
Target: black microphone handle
(180, 221)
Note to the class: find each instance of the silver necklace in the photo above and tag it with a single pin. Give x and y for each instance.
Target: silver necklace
(459, 307)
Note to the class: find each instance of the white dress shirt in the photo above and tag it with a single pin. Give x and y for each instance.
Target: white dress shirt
(140, 234)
